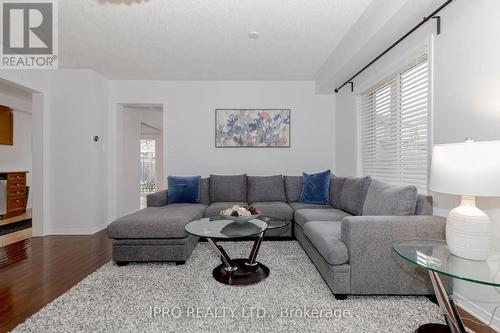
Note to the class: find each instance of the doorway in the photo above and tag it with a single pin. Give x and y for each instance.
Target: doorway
(15, 164)
(151, 176)
(140, 155)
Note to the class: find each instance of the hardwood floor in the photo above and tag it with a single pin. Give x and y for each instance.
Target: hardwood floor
(48, 267)
(14, 229)
(473, 323)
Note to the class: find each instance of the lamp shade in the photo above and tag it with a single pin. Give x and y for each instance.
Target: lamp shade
(471, 168)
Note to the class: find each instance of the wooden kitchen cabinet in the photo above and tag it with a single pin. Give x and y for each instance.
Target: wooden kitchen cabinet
(16, 193)
(6, 126)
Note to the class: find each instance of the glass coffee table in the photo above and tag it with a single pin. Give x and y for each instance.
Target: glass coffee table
(241, 271)
(434, 256)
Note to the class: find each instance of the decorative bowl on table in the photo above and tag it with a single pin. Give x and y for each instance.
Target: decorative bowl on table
(240, 214)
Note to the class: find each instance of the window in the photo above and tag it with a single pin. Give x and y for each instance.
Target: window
(148, 165)
(394, 127)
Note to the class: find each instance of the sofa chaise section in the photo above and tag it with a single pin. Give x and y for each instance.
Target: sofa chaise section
(155, 233)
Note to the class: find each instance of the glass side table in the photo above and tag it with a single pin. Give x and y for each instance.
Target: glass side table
(434, 256)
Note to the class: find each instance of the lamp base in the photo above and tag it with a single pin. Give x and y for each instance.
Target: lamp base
(469, 231)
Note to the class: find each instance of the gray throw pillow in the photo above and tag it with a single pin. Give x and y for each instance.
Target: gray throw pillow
(353, 194)
(228, 188)
(336, 185)
(293, 188)
(387, 199)
(265, 188)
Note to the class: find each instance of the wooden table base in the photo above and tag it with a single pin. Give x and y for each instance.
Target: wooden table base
(242, 275)
(433, 328)
(243, 271)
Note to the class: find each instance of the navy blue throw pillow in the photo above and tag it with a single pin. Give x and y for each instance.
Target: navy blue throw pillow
(183, 189)
(316, 188)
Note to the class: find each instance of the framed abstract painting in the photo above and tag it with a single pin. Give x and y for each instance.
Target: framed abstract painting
(252, 128)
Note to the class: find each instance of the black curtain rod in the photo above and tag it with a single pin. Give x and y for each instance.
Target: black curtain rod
(427, 18)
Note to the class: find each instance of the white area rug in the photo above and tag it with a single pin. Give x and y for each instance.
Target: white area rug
(294, 298)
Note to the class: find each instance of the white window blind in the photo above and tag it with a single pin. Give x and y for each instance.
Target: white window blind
(394, 127)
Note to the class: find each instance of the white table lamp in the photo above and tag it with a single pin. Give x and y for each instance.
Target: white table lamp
(468, 169)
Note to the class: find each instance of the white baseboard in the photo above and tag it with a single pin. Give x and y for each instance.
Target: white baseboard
(76, 231)
(478, 311)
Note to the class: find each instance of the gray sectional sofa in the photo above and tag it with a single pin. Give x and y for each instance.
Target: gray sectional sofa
(349, 240)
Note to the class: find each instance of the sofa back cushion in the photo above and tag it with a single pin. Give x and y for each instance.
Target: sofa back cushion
(228, 188)
(316, 188)
(293, 187)
(265, 188)
(336, 185)
(424, 205)
(353, 195)
(205, 191)
(387, 199)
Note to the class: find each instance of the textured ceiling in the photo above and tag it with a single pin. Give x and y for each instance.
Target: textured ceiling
(203, 39)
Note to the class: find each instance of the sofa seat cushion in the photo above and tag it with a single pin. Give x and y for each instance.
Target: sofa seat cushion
(325, 237)
(277, 209)
(156, 222)
(216, 207)
(303, 216)
(303, 205)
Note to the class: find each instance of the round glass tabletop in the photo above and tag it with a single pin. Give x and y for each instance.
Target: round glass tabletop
(220, 227)
(435, 256)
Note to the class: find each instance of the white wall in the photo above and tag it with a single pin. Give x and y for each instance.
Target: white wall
(466, 102)
(189, 121)
(75, 178)
(69, 168)
(78, 165)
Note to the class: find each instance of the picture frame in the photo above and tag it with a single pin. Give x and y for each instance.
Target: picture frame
(252, 128)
